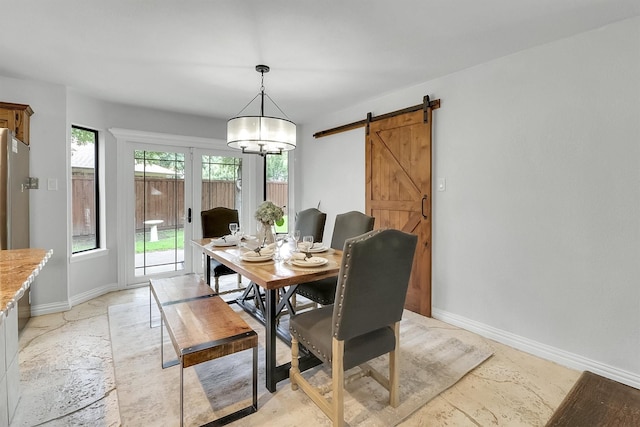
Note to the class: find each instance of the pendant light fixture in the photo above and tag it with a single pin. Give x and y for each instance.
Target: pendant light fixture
(261, 134)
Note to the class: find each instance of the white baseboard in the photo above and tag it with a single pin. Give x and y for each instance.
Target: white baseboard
(93, 293)
(554, 354)
(41, 309)
(57, 307)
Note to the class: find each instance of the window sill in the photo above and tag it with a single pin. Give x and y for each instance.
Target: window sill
(83, 256)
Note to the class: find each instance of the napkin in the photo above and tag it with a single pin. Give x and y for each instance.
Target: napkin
(316, 260)
(225, 239)
(263, 252)
(301, 257)
(316, 245)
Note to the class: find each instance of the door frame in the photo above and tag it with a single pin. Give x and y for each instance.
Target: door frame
(126, 139)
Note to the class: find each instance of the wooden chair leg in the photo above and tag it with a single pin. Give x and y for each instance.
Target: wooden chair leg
(394, 370)
(337, 374)
(294, 363)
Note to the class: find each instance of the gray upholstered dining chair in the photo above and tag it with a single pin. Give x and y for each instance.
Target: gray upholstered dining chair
(364, 322)
(311, 222)
(347, 225)
(215, 223)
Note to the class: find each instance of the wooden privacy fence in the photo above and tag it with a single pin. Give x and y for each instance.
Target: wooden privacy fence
(164, 200)
(83, 207)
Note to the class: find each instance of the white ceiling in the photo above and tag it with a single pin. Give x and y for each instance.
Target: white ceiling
(199, 56)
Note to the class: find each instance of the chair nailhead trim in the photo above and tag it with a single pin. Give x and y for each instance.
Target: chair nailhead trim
(307, 344)
(345, 267)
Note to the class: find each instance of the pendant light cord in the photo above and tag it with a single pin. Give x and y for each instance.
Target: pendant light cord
(262, 94)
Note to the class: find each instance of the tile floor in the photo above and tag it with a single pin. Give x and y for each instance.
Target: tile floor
(67, 377)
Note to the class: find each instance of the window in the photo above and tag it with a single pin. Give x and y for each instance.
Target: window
(84, 190)
(277, 184)
(221, 182)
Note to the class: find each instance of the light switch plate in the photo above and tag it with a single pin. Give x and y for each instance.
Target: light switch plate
(52, 184)
(442, 184)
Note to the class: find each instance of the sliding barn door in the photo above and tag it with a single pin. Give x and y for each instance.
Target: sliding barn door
(398, 191)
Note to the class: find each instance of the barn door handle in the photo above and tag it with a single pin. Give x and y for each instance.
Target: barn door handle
(424, 199)
(189, 215)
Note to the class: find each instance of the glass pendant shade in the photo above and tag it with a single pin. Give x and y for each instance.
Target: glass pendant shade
(261, 134)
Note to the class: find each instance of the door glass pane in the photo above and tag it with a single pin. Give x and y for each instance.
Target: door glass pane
(277, 176)
(160, 204)
(221, 182)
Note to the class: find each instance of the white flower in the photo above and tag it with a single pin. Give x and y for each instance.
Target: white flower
(269, 213)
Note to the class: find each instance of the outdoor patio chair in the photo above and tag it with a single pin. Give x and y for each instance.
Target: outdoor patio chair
(363, 324)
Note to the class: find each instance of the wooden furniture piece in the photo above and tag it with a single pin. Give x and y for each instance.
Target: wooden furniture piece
(204, 328)
(16, 117)
(598, 401)
(272, 277)
(215, 223)
(178, 289)
(18, 269)
(375, 268)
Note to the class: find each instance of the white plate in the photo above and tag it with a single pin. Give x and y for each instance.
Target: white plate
(256, 258)
(315, 261)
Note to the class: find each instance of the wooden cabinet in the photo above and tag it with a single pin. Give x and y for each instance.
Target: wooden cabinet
(16, 117)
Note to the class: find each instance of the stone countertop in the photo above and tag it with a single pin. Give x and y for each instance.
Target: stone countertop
(18, 269)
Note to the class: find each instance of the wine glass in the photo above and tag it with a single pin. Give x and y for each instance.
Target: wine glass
(308, 242)
(233, 228)
(296, 237)
(280, 239)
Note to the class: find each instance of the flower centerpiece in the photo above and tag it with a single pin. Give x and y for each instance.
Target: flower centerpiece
(268, 215)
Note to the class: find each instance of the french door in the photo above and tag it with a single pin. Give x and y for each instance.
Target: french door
(161, 193)
(164, 182)
(161, 186)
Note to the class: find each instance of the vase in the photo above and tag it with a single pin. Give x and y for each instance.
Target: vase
(266, 233)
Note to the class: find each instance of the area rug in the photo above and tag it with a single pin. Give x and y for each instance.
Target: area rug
(431, 360)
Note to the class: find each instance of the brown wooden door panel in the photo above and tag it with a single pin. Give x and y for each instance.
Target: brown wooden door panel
(398, 193)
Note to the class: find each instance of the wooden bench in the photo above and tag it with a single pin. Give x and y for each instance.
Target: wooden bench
(178, 289)
(204, 328)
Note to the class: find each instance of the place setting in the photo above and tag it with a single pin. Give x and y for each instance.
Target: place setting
(304, 256)
(235, 238)
(258, 253)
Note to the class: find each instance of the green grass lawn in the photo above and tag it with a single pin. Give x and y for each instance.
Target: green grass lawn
(167, 240)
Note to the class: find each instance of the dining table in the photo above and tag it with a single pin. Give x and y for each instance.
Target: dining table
(273, 283)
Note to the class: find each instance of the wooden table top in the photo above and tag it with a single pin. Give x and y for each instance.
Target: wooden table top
(18, 268)
(272, 274)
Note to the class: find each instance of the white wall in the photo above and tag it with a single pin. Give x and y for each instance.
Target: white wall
(48, 214)
(94, 275)
(536, 240)
(64, 283)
